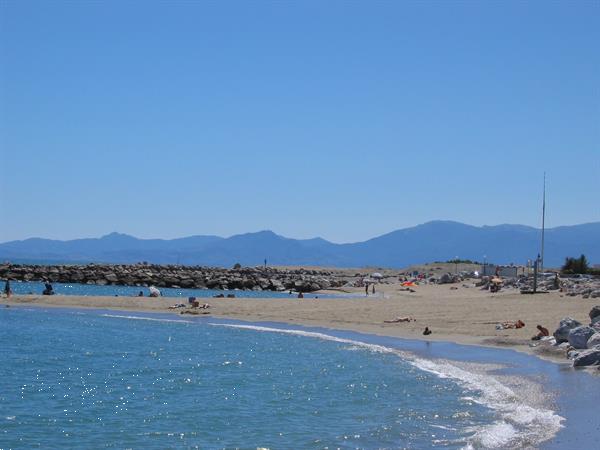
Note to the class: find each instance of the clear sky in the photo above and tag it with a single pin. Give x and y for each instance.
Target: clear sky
(343, 120)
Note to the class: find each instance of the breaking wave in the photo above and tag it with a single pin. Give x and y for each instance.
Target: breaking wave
(517, 424)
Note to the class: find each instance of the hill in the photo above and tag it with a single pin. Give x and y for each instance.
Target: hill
(432, 241)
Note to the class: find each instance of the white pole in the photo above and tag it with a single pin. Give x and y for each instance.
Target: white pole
(543, 224)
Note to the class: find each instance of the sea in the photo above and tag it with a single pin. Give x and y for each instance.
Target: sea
(37, 287)
(110, 379)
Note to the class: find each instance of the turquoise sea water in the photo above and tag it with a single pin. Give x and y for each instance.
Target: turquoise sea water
(99, 379)
(36, 287)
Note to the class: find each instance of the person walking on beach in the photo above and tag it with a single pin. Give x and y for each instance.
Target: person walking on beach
(367, 289)
(7, 289)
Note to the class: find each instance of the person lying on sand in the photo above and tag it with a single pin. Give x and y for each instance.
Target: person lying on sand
(543, 332)
(178, 305)
(196, 304)
(401, 319)
(504, 325)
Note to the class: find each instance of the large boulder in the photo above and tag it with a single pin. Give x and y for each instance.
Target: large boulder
(276, 285)
(595, 312)
(562, 332)
(579, 336)
(111, 277)
(324, 283)
(264, 283)
(187, 283)
(213, 283)
(445, 279)
(587, 358)
(594, 340)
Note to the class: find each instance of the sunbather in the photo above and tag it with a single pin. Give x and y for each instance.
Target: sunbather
(401, 319)
(543, 332)
(518, 324)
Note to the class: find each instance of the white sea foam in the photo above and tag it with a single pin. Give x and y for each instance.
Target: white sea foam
(153, 319)
(518, 425)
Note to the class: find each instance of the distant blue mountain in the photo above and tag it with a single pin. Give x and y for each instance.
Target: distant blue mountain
(432, 241)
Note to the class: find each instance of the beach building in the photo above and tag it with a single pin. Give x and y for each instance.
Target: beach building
(511, 271)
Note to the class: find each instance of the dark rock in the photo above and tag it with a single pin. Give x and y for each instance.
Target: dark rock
(579, 336)
(187, 283)
(594, 340)
(445, 279)
(562, 332)
(587, 358)
(110, 276)
(276, 285)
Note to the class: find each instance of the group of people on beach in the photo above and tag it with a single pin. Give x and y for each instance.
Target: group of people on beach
(48, 289)
(542, 331)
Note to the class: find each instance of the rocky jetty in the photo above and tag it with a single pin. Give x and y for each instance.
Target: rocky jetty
(586, 286)
(176, 276)
(581, 343)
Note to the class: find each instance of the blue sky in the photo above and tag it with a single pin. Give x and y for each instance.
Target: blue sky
(344, 120)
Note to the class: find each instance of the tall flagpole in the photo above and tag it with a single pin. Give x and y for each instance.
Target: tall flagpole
(543, 222)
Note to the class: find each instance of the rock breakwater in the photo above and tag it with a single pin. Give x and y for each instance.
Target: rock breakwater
(175, 276)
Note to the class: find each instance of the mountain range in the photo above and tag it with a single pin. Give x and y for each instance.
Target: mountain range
(431, 241)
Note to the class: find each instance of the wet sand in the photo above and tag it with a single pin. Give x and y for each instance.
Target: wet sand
(454, 313)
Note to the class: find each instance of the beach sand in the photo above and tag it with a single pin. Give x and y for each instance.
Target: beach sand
(455, 313)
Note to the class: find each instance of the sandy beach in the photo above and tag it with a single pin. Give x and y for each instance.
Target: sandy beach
(454, 313)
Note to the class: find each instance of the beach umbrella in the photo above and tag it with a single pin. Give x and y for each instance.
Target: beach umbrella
(376, 275)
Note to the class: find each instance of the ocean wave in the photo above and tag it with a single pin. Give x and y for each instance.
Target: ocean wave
(518, 425)
(153, 319)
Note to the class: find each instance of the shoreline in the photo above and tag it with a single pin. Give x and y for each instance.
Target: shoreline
(465, 316)
(522, 348)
